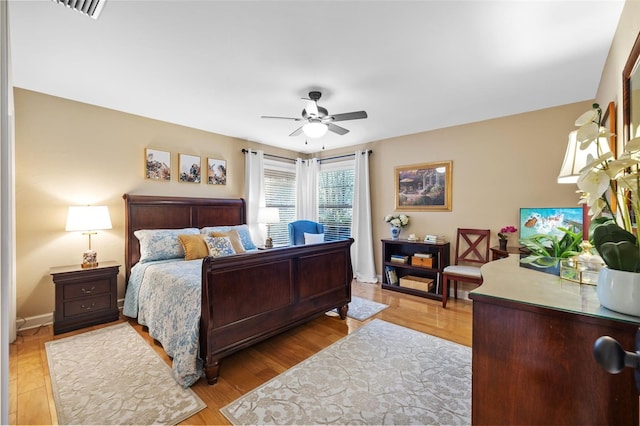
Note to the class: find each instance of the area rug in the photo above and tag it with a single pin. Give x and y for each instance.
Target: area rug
(361, 309)
(112, 376)
(380, 374)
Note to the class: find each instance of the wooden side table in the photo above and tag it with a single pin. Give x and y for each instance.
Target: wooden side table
(496, 253)
(85, 297)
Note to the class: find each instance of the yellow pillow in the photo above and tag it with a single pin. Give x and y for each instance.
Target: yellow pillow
(233, 235)
(194, 246)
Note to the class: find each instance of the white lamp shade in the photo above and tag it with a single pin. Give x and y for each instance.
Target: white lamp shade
(315, 129)
(88, 218)
(268, 215)
(575, 158)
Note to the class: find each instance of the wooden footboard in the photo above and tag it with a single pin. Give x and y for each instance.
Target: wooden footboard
(249, 297)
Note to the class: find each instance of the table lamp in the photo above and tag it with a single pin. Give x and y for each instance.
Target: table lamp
(268, 216)
(88, 219)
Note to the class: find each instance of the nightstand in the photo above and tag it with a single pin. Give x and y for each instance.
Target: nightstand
(85, 297)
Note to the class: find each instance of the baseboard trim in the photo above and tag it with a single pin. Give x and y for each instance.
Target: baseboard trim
(44, 319)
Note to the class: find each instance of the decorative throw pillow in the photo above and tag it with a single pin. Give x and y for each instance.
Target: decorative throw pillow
(194, 246)
(313, 238)
(234, 237)
(243, 231)
(219, 246)
(161, 244)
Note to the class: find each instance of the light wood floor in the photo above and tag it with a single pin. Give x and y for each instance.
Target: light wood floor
(31, 398)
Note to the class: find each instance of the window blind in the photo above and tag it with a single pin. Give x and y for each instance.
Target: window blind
(280, 191)
(335, 200)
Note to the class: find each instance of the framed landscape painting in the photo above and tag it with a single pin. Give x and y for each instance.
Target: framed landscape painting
(157, 165)
(424, 187)
(216, 171)
(189, 168)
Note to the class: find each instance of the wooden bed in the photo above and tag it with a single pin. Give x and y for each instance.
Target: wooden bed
(296, 283)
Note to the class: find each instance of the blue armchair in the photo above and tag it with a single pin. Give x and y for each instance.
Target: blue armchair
(299, 227)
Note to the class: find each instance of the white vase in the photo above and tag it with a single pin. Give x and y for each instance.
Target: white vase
(395, 232)
(619, 291)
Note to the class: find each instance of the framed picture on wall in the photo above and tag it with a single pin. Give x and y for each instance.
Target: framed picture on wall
(189, 168)
(157, 165)
(423, 187)
(216, 171)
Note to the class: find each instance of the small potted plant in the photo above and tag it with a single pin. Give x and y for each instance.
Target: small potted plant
(503, 235)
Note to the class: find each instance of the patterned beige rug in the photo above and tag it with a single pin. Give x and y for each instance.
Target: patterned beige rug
(380, 374)
(112, 376)
(361, 309)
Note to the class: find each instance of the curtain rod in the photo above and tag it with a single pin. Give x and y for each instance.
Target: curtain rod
(244, 151)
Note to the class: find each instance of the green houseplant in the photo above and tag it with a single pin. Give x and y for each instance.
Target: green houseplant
(546, 249)
(603, 179)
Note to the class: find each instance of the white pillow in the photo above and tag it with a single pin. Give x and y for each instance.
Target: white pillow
(313, 238)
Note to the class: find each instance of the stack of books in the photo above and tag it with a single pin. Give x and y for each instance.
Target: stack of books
(424, 255)
(434, 239)
(398, 258)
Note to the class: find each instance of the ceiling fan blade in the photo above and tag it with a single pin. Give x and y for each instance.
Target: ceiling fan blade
(297, 131)
(337, 129)
(281, 118)
(312, 108)
(356, 115)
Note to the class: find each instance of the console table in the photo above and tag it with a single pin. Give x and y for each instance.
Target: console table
(533, 337)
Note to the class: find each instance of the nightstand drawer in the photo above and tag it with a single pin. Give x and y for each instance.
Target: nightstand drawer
(85, 289)
(86, 305)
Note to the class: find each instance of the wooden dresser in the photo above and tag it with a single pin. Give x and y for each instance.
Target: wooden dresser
(533, 337)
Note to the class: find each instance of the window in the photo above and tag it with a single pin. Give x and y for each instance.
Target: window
(280, 191)
(335, 199)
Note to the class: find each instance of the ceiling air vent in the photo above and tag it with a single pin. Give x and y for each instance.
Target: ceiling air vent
(91, 8)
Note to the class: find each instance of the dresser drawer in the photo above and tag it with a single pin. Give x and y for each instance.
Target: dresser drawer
(86, 305)
(84, 289)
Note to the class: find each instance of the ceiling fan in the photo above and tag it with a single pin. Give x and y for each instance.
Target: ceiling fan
(318, 120)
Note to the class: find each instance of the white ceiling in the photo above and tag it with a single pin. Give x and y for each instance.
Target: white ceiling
(219, 65)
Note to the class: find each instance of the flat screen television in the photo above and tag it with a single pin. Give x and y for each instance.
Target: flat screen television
(547, 220)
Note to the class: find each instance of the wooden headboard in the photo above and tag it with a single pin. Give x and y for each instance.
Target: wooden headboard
(156, 212)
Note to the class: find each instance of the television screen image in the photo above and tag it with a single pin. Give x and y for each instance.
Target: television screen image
(547, 220)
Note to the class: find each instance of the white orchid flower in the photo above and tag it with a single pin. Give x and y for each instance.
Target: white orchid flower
(593, 182)
(587, 134)
(630, 182)
(587, 117)
(633, 145)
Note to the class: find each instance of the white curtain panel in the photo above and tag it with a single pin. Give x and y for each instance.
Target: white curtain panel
(307, 172)
(7, 207)
(364, 268)
(254, 193)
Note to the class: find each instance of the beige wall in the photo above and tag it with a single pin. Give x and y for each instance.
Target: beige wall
(69, 153)
(610, 88)
(498, 166)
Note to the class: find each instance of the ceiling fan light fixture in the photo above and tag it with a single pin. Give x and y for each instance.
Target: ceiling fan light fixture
(315, 129)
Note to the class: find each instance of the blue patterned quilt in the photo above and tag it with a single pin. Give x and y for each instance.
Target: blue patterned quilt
(165, 297)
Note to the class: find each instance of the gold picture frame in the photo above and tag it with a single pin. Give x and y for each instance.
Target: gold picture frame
(424, 187)
(216, 171)
(189, 168)
(157, 165)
